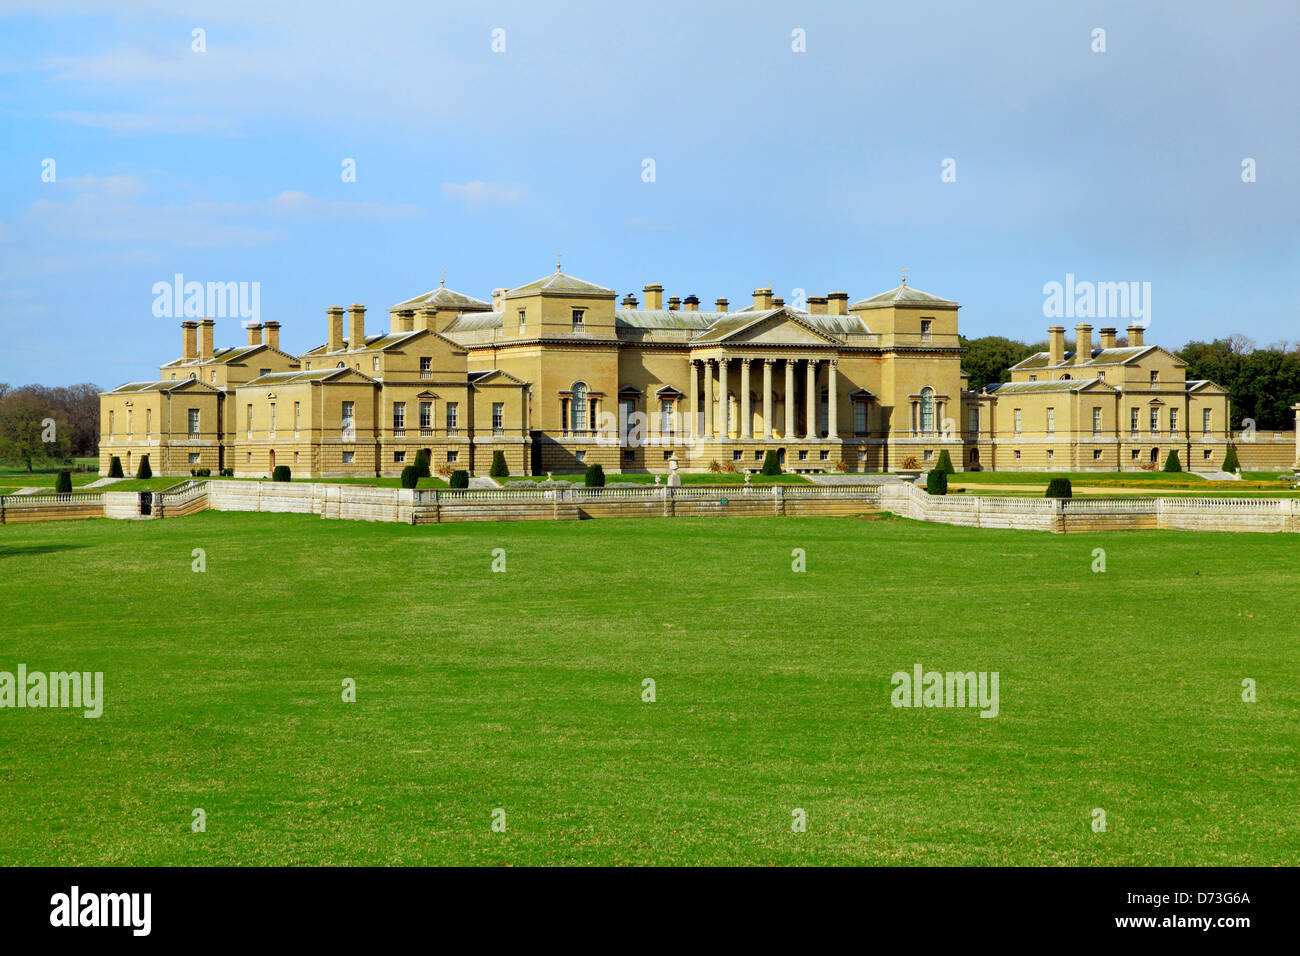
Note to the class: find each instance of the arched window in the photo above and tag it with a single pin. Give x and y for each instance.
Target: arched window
(578, 416)
(927, 410)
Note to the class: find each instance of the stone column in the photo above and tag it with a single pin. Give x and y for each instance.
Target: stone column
(564, 414)
(768, 430)
(724, 406)
(692, 423)
(746, 413)
(832, 400)
(789, 400)
(811, 400)
(708, 399)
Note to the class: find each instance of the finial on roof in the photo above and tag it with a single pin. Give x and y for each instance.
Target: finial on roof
(904, 275)
(442, 283)
(557, 261)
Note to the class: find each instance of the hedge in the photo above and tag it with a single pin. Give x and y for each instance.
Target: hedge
(595, 476)
(144, 471)
(410, 476)
(115, 468)
(459, 479)
(1059, 488)
(423, 459)
(936, 482)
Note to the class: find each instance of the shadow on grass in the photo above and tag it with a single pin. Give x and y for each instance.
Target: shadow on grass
(26, 550)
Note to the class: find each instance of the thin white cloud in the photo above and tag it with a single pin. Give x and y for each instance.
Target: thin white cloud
(145, 123)
(479, 193)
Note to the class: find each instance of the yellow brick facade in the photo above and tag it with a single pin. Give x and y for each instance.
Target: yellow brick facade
(559, 375)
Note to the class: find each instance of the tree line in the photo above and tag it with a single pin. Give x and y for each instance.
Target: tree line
(42, 425)
(1263, 383)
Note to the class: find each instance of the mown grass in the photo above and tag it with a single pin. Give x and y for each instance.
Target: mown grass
(707, 478)
(523, 691)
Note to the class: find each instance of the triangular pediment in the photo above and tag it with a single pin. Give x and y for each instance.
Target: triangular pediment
(771, 328)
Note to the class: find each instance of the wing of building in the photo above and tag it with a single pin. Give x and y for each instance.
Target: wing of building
(559, 373)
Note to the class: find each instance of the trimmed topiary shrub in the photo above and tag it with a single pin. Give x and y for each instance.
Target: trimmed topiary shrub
(936, 482)
(410, 476)
(771, 463)
(63, 483)
(115, 468)
(1059, 488)
(227, 473)
(595, 476)
(499, 467)
(144, 471)
(459, 479)
(945, 463)
(1172, 463)
(1230, 462)
(280, 473)
(423, 460)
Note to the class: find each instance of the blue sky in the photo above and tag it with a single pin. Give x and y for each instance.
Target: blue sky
(816, 170)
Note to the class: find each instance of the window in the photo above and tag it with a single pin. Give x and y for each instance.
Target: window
(1017, 416)
(399, 457)
(1102, 376)
(666, 416)
(668, 456)
(973, 420)
(1205, 420)
(376, 366)
(1155, 379)
(627, 407)
(452, 410)
(249, 423)
(194, 422)
(578, 407)
(577, 320)
(263, 371)
(452, 456)
(758, 456)
(194, 458)
(1017, 454)
(347, 411)
(1173, 421)
(110, 423)
(1155, 420)
(927, 410)
(580, 456)
(309, 366)
(426, 367)
(925, 329)
(1050, 454)
(859, 418)
(1033, 378)
(1206, 454)
(736, 455)
(297, 417)
(426, 415)
(148, 422)
(272, 417)
(130, 420)
(825, 455)
(629, 455)
(399, 416)
(1051, 421)
(348, 457)
(523, 319)
(1096, 454)
(803, 456)
(1096, 420)
(1134, 454)
(214, 374)
(498, 416)
(295, 458)
(1133, 420)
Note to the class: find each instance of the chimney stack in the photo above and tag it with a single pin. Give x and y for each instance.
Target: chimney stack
(254, 333)
(273, 334)
(817, 304)
(499, 299)
(674, 303)
(1082, 343)
(335, 322)
(837, 303)
(1135, 334)
(629, 301)
(1056, 345)
(762, 298)
(206, 350)
(189, 340)
(426, 319)
(692, 303)
(654, 296)
(721, 305)
(1108, 337)
(356, 326)
(778, 302)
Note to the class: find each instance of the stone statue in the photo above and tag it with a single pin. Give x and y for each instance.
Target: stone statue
(674, 479)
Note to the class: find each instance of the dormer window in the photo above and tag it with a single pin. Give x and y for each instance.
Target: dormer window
(523, 319)
(925, 329)
(1155, 378)
(577, 320)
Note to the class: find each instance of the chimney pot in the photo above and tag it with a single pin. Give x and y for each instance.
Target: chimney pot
(499, 299)
(762, 298)
(1056, 345)
(254, 333)
(674, 303)
(817, 304)
(692, 303)
(629, 301)
(1082, 343)
(1135, 334)
(1108, 337)
(837, 303)
(721, 305)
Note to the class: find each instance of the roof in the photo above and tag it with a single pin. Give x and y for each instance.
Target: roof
(444, 298)
(1060, 385)
(165, 386)
(473, 321)
(1115, 356)
(684, 319)
(223, 356)
(558, 283)
(314, 375)
(374, 343)
(904, 295)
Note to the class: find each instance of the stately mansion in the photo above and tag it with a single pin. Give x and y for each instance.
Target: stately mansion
(560, 373)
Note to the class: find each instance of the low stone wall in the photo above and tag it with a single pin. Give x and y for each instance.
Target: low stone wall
(21, 508)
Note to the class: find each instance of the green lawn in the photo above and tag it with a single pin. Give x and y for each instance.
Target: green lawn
(721, 478)
(522, 690)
